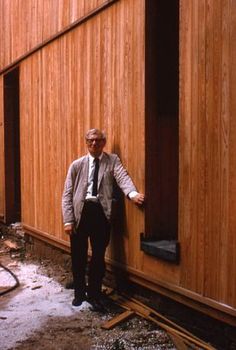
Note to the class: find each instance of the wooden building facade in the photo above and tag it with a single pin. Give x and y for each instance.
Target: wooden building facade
(159, 78)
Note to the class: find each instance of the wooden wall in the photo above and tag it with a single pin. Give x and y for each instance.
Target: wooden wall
(2, 166)
(207, 202)
(94, 76)
(88, 78)
(27, 23)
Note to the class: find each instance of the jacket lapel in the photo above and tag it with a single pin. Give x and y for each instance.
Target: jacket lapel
(86, 169)
(102, 168)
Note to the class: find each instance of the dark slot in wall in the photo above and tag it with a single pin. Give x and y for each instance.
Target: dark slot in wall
(12, 146)
(162, 118)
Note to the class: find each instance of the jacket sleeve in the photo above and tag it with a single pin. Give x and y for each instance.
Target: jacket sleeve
(67, 196)
(122, 177)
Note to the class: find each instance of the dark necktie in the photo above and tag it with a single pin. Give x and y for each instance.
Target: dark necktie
(95, 177)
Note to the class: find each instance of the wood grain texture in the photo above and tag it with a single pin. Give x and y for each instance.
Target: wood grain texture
(94, 76)
(207, 144)
(26, 23)
(88, 78)
(231, 258)
(2, 165)
(192, 144)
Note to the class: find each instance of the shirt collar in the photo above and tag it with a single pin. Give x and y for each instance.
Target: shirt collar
(91, 158)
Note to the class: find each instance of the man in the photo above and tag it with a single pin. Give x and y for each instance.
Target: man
(86, 207)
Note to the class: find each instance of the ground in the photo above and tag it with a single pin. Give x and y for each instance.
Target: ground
(38, 314)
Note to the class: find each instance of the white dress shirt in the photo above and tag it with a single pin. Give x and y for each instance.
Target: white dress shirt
(89, 195)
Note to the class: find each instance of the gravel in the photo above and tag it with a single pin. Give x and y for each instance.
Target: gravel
(39, 315)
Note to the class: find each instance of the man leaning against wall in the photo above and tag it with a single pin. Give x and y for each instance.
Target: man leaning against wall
(87, 210)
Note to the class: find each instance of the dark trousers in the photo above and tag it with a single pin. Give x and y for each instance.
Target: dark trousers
(95, 227)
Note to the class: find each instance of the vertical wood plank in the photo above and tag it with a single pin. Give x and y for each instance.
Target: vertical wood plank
(94, 77)
(231, 257)
(2, 166)
(26, 23)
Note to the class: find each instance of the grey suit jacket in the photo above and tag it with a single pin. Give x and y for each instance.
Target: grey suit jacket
(76, 183)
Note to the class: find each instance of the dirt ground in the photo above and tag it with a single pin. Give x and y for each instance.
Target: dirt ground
(38, 314)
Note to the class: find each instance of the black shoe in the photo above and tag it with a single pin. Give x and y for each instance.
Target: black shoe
(78, 300)
(97, 305)
(70, 285)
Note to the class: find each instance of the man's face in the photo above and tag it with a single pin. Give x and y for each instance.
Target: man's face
(95, 145)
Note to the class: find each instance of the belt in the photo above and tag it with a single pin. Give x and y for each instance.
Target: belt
(92, 200)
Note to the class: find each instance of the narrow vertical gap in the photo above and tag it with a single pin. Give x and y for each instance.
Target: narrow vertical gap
(162, 118)
(12, 146)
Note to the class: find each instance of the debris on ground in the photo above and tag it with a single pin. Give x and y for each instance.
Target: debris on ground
(39, 315)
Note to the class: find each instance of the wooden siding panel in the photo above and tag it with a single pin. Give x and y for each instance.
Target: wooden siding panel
(185, 137)
(2, 165)
(2, 54)
(26, 137)
(218, 243)
(192, 145)
(26, 23)
(213, 137)
(127, 113)
(78, 82)
(190, 130)
(6, 38)
(230, 269)
(207, 144)
(225, 149)
(51, 145)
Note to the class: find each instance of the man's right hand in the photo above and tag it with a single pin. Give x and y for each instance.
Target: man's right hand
(69, 229)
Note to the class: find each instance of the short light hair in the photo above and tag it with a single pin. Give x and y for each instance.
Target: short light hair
(99, 133)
